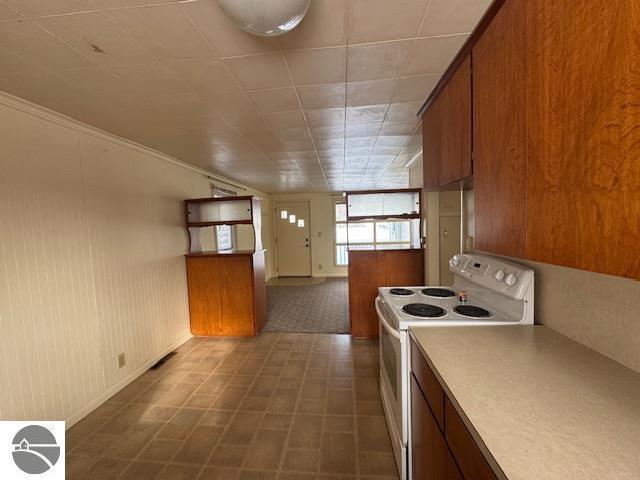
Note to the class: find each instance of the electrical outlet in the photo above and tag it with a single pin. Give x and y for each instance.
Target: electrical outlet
(122, 361)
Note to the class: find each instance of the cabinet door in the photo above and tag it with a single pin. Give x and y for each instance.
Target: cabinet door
(203, 280)
(499, 135)
(447, 132)
(583, 174)
(430, 456)
(237, 296)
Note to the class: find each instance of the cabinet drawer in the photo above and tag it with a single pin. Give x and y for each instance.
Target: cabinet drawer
(429, 384)
(470, 459)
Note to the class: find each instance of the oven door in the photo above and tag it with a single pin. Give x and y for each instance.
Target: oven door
(391, 386)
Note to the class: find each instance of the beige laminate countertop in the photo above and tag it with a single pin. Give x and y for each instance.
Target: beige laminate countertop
(544, 406)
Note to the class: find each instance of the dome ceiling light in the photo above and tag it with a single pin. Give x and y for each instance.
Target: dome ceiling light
(266, 18)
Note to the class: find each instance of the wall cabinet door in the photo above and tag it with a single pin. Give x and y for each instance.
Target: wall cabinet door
(499, 133)
(447, 132)
(430, 456)
(583, 112)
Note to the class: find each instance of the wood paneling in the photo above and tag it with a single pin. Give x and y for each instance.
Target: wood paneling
(499, 133)
(91, 262)
(447, 132)
(227, 293)
(583, 117)
(467, 454)
(370, 269)
(430, 456)
(429, 384)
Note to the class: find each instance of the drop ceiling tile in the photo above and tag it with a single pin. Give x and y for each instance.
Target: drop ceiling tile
(226, 38)
(415, 88)
(323, 26)
(379, 20)
(101, 82)
(359, 142)
(325, 116)
(96, 36)
(330, 144)
(357, 151)
(392, 140)
(322, 96)
(258, 72)
(323, 65)
(127, 3)
(154, 78)
(399, 128)
(291, 134)
(164, 30)
(365, 130)
(384, 150)
(39, 8)
(378, 60)
(336, 131)
(445, 17)
(404, 112)
(433, 55)
(370, 92)
(285, 119)
(276, 100)
(29, 41)
(366, 114)
(7, 14)
(207, 77)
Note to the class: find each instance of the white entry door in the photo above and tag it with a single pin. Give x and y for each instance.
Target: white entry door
(293, 241)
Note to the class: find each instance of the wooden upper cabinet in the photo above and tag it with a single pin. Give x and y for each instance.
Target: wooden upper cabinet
(447, 131)
(583, 117)
(499, 133)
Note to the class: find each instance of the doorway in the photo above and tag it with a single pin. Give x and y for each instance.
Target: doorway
(293, 240)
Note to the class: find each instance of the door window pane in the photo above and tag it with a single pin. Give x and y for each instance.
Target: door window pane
(341, 212)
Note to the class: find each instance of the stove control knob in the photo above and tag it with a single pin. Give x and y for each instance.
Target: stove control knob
(455, 261)
(499, 275)
(510, 280)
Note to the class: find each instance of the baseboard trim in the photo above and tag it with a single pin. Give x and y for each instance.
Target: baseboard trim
(104, 396)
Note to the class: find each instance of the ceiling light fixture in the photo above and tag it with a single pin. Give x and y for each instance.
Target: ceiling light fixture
(266, 18)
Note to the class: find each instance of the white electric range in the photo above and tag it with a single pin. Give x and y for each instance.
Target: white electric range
(498, 292)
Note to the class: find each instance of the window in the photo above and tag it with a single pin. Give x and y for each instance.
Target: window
(224, 237)
(368, 234)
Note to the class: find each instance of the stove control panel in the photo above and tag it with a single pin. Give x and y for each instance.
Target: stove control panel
(493, 273)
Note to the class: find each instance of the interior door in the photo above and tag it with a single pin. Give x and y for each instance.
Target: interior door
(449, 246)
(293, 239)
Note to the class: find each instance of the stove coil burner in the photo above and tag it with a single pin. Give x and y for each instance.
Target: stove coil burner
(424, 310)
(471, 311)
(438, 292)
(401, 291)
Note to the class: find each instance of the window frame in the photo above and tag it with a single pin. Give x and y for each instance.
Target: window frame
(375, 243)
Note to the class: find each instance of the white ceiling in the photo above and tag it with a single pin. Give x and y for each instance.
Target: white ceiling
(328, 107)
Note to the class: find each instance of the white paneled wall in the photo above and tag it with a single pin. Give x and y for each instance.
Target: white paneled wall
(91, 262)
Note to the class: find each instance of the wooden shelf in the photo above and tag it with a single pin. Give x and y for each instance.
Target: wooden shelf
(213, 224)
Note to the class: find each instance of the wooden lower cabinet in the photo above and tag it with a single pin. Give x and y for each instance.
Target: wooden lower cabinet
(442, 447)
(430, 455)
(227, 293)
(370, 269)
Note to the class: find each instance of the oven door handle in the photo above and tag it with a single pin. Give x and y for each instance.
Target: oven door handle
(392, 331)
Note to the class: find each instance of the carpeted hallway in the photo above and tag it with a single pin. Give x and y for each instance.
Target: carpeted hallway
(313, 308)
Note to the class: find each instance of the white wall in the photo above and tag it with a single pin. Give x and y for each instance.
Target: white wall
(322, 232)
(91, 262)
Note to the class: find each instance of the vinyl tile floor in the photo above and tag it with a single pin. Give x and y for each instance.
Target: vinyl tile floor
(281, 406)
